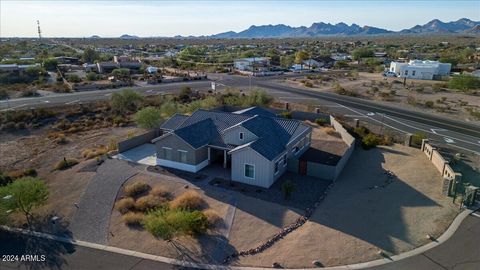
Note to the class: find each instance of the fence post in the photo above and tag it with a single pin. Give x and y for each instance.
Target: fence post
(287, 106)
(317, 110)
(408, 139)
(356, 123)
(424, 142)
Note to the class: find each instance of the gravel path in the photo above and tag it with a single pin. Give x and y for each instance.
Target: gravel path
(91, 220)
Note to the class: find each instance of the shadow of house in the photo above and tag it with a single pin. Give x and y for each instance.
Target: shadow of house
(372, 209)
(46, 254)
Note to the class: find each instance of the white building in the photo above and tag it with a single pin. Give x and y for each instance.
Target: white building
(417, 69)
(252, 64)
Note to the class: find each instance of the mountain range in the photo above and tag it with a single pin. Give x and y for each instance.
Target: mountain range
(436, 26)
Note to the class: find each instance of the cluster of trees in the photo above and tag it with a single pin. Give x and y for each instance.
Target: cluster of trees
(464, 82)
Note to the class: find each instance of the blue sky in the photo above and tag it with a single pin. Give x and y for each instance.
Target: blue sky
(170, 18)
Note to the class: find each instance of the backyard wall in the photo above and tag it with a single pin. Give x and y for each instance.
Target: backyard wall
(450, 177)
(137, 140)
(324, 171)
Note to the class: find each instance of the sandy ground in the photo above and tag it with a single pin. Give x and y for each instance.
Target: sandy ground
(356, 220)
(452, 107)
(35, 150)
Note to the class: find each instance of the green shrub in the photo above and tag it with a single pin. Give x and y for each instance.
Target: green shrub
(370, 141)
(362, 131)
(321, 121)
(148, 117)
(287, 189)
(417, 138)
(169, 223)
(287, 115)
(464, 82)
(308, 84)
(136, 188)
(65, 164)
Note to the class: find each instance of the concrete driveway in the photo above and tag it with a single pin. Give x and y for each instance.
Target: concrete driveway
(143, 154)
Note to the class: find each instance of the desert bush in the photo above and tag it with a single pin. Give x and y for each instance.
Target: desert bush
(362, 131)
(212, 217)
(148, 202)
(21, 173)
(429, 104)
(61, 139)
(133, 219)
(65, 163)
(160, 191)
(287, 189)
(370, 141)
(287, 115)
(308, 84)
(168, 223)
(417, 138)
(136, 188)
(188, 200)
(321, 121)
(124, 205)
(92, 153)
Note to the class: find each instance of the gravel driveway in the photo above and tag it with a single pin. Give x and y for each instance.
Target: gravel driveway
(91, 220)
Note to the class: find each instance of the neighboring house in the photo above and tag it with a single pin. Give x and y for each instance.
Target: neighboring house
(254, 143)
(67, 60)
(417, 69)
(253, 64)
(90, 68)
(125, 61)
(107, 67)
(151, 69)
(341, 57)
(10, 68)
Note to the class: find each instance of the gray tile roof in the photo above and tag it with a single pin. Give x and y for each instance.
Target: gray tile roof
(174, 122)
(205, 127)
(256, 111)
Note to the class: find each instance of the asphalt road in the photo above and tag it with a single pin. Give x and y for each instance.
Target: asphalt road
(444, 131)
(460, 252)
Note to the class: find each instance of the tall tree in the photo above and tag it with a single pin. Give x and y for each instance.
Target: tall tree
(90, 55)
(301, 56)
(23, 195)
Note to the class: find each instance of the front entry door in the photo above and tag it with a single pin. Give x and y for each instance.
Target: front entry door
(302, 167)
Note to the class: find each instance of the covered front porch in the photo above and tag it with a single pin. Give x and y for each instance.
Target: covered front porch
(219, 156)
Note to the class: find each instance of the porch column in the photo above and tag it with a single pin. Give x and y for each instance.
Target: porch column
(224, 158)
(208, 155)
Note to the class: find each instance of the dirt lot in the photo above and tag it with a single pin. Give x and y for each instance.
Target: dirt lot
(414, 94)
(35, 150)
(399, 213)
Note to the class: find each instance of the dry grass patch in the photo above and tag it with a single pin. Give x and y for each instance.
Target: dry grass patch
(124, 205)
(133, 219)
(65, 164)
(136, 188)
(160, 191)
(148, 202)
(189, 200)
(95, 152)
(212, 217)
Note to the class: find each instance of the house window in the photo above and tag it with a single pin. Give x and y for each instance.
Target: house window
(406, 72)
(285, 160)
(413, 72)
(183, 156)
(295, 150)
(276, 167)
(240, 135)
(167, 153)
(249, 171)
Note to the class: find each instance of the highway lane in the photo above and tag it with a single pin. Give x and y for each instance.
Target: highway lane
(89, 96)
(458, 134)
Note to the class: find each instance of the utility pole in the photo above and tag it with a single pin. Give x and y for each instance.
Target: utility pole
(39, 31)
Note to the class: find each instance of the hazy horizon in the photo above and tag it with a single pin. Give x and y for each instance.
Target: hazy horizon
(197, 18)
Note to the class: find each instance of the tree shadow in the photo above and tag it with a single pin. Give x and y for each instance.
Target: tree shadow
(44, 253)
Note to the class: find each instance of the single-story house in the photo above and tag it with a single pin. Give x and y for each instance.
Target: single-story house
(254, 143)
(418, 69)
(252, 64)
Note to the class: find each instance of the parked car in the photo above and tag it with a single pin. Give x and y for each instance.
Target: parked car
(389, 74)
